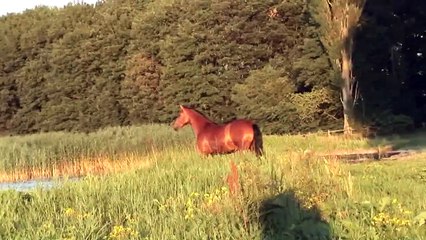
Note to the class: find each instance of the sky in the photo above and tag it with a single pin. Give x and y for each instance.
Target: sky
(16, 6)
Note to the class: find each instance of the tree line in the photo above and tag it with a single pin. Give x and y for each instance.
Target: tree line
(122, 62)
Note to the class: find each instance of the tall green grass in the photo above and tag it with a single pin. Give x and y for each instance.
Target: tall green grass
(46, 149)
(288, 194)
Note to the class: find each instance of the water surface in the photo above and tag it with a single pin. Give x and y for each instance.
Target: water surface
(32, 184)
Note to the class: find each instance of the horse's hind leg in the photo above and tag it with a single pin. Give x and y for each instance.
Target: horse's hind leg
(246, 143)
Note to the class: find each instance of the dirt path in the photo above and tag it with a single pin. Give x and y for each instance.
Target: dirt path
(377, 154)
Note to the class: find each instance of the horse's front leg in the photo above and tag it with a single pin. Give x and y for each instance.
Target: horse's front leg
(203, 147)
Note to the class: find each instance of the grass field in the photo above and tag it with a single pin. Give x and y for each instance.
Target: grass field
(165, 190)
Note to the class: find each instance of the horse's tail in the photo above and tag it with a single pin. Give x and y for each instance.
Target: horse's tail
(257, 143)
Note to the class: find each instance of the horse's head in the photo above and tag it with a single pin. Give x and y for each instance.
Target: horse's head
(182, 119)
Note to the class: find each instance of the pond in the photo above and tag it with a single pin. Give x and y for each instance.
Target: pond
(32, 184)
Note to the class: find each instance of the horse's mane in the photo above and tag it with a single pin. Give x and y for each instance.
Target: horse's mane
(206, 117)
(195, 110)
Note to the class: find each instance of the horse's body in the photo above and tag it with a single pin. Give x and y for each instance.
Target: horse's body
(213, 138)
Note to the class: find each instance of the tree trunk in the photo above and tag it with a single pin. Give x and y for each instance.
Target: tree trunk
(346, 124)
(348, 95)
(349, 86)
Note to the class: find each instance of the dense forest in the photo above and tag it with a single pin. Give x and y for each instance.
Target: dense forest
(123, 62)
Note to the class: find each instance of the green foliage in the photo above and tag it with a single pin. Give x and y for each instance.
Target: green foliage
(126, 62)
(294, 91)
(84, 67)
(67, 79)
(214, 46)
(284, 110)
(259, 99)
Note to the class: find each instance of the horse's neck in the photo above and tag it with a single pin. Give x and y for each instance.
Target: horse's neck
(199, 122)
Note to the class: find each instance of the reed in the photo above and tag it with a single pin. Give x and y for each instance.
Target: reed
(50, 151)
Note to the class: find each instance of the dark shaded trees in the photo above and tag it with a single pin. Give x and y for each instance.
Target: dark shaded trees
(390, 65)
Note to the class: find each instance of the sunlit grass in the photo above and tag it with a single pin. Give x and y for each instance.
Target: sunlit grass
(99, 165)
(55, 154)
(59, 154)
(178, 194)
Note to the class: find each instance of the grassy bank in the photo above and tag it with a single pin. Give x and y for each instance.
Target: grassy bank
(290, 194)
(58, 154)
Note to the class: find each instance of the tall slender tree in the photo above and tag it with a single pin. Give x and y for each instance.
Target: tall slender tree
(338, 20)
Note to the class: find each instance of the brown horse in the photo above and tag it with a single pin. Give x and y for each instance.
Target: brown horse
(213, 138)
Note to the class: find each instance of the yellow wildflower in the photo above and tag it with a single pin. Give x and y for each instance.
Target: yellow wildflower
(407, 212)
(69, 211)
(194, 194)
(121, 232)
